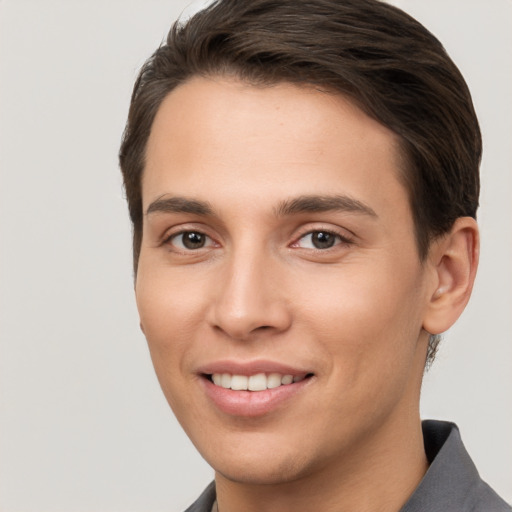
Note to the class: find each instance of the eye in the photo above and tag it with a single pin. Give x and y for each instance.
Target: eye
(321, 240)
(190, 240)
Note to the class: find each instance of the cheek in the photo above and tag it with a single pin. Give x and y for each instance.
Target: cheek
(170, 310)
(167, 297)
(168, 316)
(369, 319)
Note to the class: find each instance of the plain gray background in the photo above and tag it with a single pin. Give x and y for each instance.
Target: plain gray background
(83, 423)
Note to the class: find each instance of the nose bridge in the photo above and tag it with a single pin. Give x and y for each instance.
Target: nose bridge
(249, 298)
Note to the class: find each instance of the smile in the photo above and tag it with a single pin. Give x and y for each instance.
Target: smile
(256, 382)
(253, 389)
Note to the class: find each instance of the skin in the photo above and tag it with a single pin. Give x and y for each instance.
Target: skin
(354, 315)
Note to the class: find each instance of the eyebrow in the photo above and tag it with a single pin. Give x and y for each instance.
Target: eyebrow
(301, 204)
(179, 205)
(321, 203)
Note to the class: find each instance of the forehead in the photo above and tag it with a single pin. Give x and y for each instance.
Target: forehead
(224, 138)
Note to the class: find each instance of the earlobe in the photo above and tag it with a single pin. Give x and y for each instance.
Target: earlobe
(454, 258)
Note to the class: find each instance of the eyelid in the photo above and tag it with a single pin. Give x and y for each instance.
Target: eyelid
(346, 236)
(181, 233)
(180, 229)
(184, 227)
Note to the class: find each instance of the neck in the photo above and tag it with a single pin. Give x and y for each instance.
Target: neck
(379, 475)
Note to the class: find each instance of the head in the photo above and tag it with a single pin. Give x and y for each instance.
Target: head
(376, 55)
(359, 70)
(402, 77)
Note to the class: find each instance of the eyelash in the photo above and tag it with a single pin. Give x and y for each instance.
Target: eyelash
(169, 239)
(342, 240)
(339, 239)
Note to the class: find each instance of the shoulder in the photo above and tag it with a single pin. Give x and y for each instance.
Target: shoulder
(484, 499)
(452, 482)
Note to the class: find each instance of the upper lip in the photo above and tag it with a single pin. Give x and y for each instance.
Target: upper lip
(251, 368)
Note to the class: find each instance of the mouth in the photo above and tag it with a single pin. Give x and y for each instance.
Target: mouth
(256, 382)
(255, 389)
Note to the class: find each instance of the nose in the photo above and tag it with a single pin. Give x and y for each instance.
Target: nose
(250, 298)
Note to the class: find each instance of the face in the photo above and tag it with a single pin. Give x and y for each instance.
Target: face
(279, 284)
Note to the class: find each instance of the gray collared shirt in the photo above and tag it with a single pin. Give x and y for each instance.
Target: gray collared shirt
(451, 484)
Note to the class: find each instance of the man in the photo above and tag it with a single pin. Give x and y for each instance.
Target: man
(302, 178)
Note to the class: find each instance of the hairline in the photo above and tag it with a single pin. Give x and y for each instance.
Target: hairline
(403, 164)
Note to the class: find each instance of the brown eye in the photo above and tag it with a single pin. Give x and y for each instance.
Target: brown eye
(323, 239)
(193, 240)
(319, 240)
(190, 240)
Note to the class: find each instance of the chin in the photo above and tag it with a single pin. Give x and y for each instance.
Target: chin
(261, 472)
(255, 464)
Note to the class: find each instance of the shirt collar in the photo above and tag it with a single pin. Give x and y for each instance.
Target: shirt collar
(451, 479)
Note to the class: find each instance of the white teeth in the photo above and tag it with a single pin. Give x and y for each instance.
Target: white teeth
(239, 382)
(257, 382)
(225, 381)
(273, 380)
(287, 379)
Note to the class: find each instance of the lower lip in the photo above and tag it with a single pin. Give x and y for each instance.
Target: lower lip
(251, 403)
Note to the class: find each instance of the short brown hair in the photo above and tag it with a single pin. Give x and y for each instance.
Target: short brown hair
(371, 52)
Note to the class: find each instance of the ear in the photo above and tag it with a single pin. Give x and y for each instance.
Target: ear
(454, 260)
